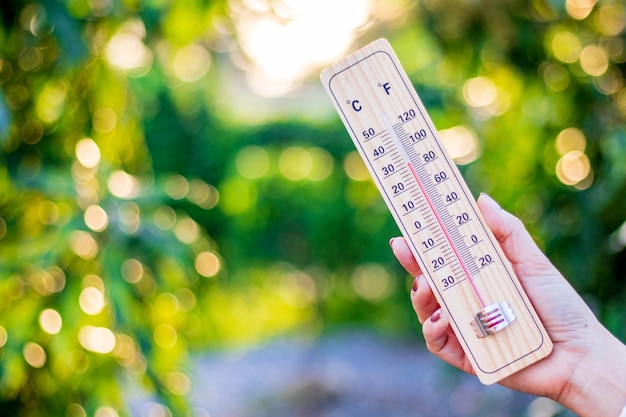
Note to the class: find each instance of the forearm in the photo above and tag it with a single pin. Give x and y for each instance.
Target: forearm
(598, 386)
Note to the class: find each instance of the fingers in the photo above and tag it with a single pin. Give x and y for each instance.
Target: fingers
(424, 302)
(438, 334)
(435, 331)
(441, 341)
(401, 250)
(423, 299)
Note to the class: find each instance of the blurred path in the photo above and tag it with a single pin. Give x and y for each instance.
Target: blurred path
(349, 374)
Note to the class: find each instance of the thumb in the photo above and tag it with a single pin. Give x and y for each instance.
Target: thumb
(517, 244)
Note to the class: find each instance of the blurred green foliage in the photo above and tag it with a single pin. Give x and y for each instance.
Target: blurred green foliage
(146, 212)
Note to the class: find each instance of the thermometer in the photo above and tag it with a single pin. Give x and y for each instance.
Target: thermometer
(465, 267)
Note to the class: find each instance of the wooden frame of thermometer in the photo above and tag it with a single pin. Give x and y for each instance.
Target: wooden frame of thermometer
(467, 271)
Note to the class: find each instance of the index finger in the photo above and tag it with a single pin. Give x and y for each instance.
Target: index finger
(401, 251)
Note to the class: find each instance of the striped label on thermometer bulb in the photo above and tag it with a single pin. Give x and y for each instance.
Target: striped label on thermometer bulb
(465, 267)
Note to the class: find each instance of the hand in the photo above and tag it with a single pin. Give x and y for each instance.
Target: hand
(582, 346)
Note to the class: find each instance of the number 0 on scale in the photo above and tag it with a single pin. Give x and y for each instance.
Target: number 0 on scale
(489, 311)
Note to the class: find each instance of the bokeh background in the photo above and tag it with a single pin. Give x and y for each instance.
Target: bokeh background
(174, 180)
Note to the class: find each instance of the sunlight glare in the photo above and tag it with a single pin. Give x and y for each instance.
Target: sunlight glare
(573, 168)
(295, 163)
(186, 230)
(129, 215)
(192, 63)
(480, 92)
(91, 301)
(203, 194)
(355, 168)
(165, 336)
(132, 270)
(106, 412)
(177, 382)
(97, 339)
(462, 143)
(87, 153)
(49, 104)
(285, 42)
(252, 162)
(34, 355)
(566, 47)
(126, 49)
(104, 120)
(594, 60)
(83, 244)
(298, 289)
(156, 410)
(50, 321)
(167, 304)
(4, 336)
(372, 282)
(96, 218)
(611, 19)
(322, 164)
(610, 82)
(123, 185)
(164, 217)
(579, 9)
(207, 264)
(570, 139)
(176, 187)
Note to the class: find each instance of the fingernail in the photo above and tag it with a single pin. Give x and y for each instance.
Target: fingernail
(391, 241)
(434, 318)
(494, 202)
(414, 288)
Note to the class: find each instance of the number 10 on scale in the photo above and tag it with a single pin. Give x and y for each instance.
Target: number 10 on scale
(491, 315)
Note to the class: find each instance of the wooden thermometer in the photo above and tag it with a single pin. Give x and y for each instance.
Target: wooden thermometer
(433, 207)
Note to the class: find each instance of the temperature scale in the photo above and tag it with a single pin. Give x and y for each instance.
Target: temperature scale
(467, 271)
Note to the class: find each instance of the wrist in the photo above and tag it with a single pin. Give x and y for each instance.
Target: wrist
(598, 385)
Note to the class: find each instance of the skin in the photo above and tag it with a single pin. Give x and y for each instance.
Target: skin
(586, 371)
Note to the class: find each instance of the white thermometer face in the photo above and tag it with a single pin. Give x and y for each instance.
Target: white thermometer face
(436, 212)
